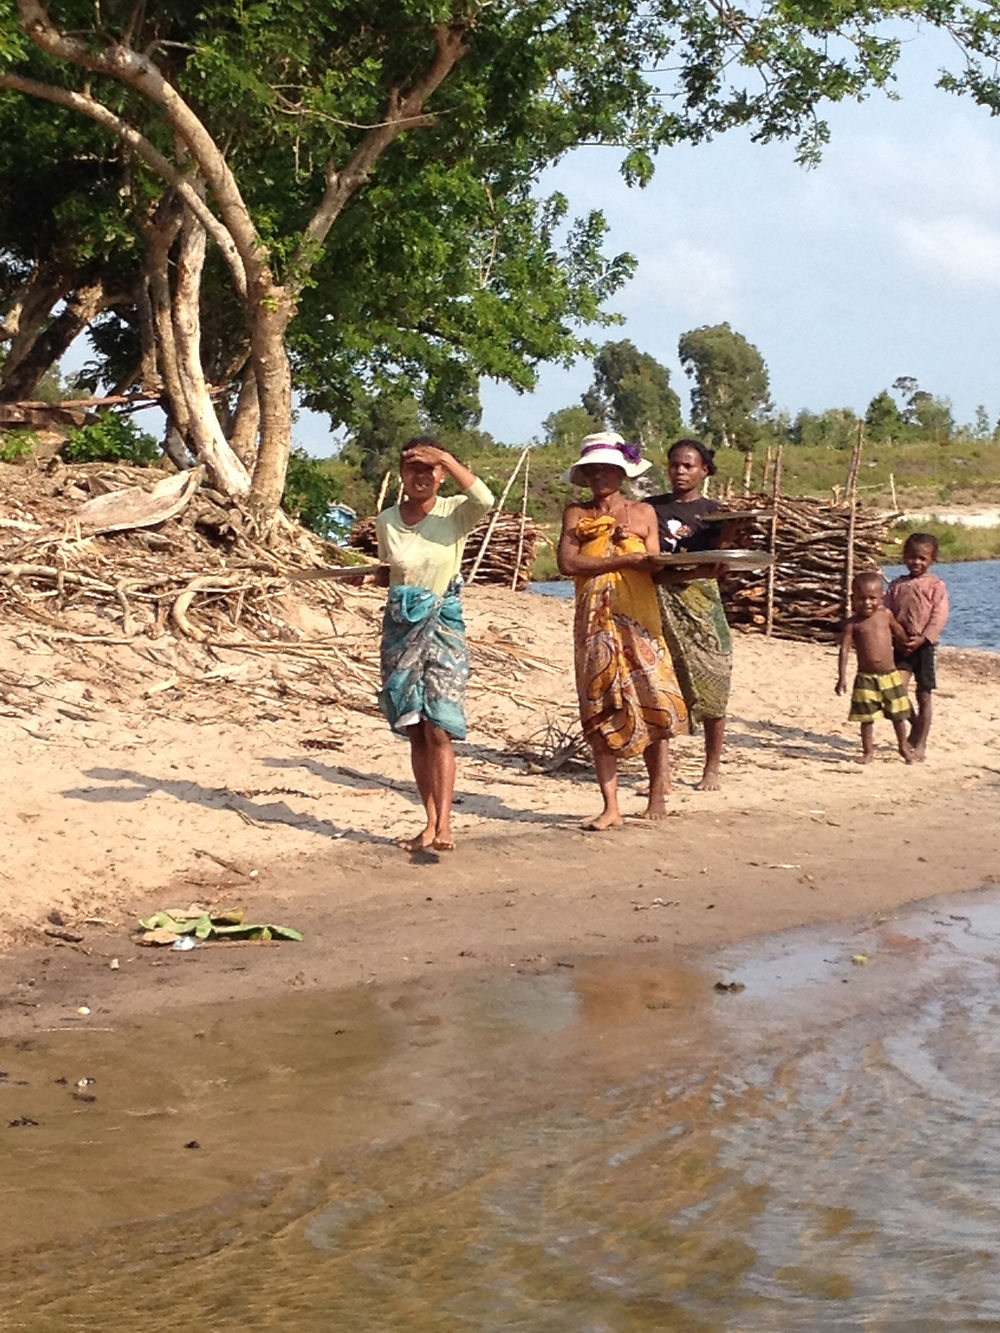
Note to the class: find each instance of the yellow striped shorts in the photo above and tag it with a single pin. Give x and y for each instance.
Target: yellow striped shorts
(871, 695)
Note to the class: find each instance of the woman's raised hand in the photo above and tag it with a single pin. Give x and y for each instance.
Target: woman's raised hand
(428, 454)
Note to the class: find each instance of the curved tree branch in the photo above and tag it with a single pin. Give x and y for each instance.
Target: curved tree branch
(165, 169)
(403, 113)
(137, 71)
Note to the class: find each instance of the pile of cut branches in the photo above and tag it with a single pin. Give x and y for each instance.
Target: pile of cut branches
(816, 546)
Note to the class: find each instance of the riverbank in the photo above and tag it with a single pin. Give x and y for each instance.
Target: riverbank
(125, 796)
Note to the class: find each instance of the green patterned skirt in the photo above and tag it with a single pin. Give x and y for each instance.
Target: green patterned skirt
(697, 635)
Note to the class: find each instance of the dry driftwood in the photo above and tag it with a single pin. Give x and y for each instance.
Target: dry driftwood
(134, 507)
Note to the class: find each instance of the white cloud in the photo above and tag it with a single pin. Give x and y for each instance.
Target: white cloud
(957, 248)
(681, 282)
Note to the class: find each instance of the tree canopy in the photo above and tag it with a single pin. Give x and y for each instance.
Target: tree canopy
(367, 175)
(632, 393)
(730, 389)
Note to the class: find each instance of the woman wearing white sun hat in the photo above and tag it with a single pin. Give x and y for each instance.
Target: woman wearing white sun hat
(630, 702)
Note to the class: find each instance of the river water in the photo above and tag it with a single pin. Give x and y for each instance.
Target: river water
(973, 594)
(608, 1148)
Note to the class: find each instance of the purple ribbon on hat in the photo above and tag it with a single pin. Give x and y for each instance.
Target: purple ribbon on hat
(630, 452)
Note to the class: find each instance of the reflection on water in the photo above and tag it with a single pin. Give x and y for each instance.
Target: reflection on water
(615, 1147)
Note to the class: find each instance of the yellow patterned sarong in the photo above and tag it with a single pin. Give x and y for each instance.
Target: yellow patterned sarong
(874, 693)
(627, 688)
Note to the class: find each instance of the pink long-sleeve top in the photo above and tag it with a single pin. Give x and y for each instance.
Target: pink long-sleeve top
(920, 605)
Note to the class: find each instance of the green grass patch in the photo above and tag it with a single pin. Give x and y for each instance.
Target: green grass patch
(955, 543)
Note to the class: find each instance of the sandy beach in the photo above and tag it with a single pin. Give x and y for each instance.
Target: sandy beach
(139, 780)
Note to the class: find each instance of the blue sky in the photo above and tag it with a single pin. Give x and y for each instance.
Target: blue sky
(882, 261)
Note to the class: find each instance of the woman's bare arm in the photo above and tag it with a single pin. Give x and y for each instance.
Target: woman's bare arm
(574, 564)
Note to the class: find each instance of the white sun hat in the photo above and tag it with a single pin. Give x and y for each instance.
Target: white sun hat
(607, 446)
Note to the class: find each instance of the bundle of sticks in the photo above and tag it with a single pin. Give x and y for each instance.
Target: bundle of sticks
(500, 549)
(817, 546)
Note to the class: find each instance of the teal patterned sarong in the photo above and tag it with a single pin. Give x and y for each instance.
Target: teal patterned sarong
(425, 659)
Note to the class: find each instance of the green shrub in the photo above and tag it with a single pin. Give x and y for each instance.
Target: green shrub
(956, 542)
(310, 490)
(111, 439)
(17, 444)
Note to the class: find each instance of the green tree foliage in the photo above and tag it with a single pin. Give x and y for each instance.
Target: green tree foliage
(310, 490)
(836, 428)
(568, 426)
(730, 389)
(924, 415)
(631, 392)
(368, 174)
(882, 419)
(112, 438)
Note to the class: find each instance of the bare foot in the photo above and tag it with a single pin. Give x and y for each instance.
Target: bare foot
(420, 843)
(710, 780)
(443, 843)
(864, 758)
(918, 754)
(605, 820)
(655, 810)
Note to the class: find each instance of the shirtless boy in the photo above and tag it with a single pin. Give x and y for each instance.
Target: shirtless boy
(878, 686)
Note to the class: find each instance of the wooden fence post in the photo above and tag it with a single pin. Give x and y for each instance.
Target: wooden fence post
(520, 535)
(772, 568)
(496, 514)
(852, 516)
(747, 471)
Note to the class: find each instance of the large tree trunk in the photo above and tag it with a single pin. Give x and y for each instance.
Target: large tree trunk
(246, 421)
(275, 310)
(160, 235)
(54, 341)
(26, 319)
(204, 431)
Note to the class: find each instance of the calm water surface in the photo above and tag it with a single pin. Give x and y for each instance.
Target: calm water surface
(616, 1146)
(973, 594)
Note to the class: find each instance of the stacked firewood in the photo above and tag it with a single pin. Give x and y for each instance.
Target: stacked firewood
(811, 577)
(508, 555)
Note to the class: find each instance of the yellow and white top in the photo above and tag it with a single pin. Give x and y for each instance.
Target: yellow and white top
(429, 554)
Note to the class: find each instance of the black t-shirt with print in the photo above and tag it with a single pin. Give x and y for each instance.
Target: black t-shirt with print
(680, 525)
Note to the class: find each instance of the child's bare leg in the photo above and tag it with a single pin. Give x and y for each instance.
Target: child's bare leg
(441, 755)
(606, 767)
(922, 723)
(905, 749)
(905, 677)
(715, 730)
(867, 742)
(657, 760)
(421, 763)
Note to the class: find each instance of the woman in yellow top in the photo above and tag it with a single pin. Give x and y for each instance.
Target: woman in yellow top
(424, 657)
(630, 702)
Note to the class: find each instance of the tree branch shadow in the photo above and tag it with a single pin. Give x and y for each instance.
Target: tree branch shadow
(133, 787)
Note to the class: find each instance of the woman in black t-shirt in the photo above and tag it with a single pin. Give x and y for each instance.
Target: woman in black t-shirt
(694, 621)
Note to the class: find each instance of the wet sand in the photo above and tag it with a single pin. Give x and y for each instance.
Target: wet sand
(625, 1145)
